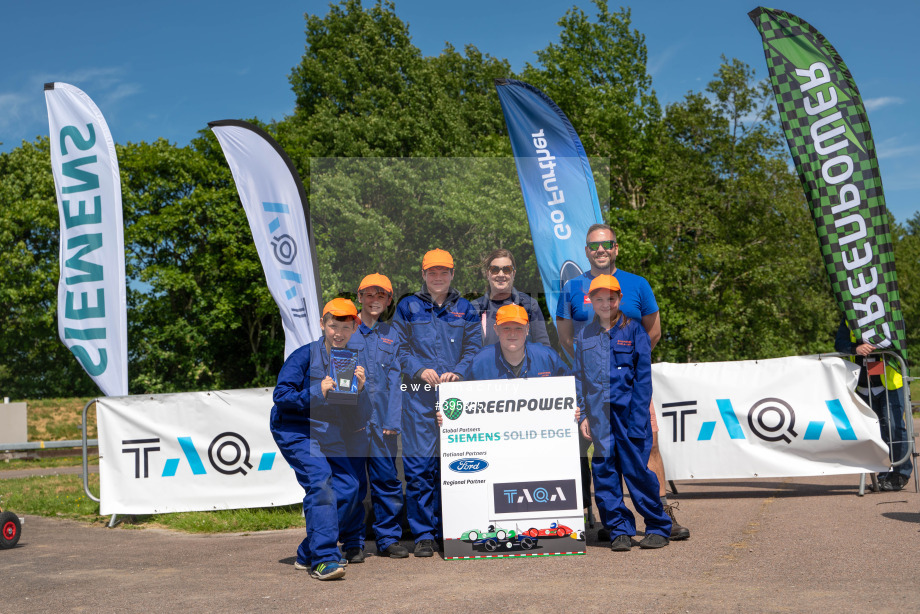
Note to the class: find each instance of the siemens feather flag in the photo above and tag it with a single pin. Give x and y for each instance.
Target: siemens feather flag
(275, 203)
(556, 182)
(828, 134)
(92, 319)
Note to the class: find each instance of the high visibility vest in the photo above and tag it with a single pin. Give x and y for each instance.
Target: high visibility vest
(892, 379)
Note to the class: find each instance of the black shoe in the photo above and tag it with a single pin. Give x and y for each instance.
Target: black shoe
(424, 547)
(678, 532)
(603, 535)
(395, 551)
(653, 540)
(898, 481)
(885, 484)
(621, 543)
(354, 555)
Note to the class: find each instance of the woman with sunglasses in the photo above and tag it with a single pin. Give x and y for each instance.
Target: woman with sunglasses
(498, 268)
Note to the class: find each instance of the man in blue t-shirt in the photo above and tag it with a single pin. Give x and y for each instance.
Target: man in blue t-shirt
(574, 312)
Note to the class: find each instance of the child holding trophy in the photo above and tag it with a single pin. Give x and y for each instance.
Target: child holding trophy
(310, 427)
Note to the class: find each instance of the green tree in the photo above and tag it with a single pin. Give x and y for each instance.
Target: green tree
(202, 316)
(382, 214)
(34, 363)
(906, 240)
(383, 134)
(736, 264)
(363, 89)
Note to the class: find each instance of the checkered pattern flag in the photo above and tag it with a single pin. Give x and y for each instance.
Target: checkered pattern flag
(831, 143)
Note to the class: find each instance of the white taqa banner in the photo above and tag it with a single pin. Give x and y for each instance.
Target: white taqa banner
(274, 199)
(92, 320)
(781, 417)
(190, 451)
(510, 476)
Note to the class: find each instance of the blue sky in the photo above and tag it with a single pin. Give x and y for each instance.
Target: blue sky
(165, 69)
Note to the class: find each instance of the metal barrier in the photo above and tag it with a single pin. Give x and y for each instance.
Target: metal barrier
(908, 416)
(46, 445)
(85, 459)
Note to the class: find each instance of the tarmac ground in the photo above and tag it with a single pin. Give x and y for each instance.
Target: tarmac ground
(765, 545)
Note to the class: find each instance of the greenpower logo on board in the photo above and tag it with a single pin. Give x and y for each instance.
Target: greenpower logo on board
(452, 408)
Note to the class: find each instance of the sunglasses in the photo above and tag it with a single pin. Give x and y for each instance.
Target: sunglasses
(507, 270)
(595, 245)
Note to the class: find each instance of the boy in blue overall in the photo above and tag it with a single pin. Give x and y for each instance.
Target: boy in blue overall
(380, 344)
(438, 337)
(613, 375)
(513, 356)
(311, 433)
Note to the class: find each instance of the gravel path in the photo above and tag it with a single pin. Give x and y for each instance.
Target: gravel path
(772, 545)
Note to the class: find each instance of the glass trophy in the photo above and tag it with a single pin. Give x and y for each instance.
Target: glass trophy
(342, 364)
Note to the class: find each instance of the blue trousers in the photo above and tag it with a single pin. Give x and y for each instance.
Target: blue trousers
(618, 457)
(889, 408)
(327, 474)
(421, 464)
(386, 487)
(351, 518)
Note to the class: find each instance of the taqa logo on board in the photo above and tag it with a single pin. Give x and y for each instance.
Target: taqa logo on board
(468, 465)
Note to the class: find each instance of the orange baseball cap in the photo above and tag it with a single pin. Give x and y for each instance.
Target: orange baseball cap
(511, 313)
(376, 279)
(437, 257)
(341, 307)
(604, 282)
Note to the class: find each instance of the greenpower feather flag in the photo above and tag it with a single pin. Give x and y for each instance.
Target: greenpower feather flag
(831, 143)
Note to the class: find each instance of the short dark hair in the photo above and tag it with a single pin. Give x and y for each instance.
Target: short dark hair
(601, 227)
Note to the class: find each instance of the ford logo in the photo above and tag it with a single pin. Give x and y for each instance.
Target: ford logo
(468, 465)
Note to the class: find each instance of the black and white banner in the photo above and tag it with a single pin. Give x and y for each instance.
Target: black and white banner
(190, 451)
(92, 319)
(781, 417)
(275, 203)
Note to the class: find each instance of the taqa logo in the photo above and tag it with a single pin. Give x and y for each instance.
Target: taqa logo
(228, 453)
(468, 465)
(452, 408)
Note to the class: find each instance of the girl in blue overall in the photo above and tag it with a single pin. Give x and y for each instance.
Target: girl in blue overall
(613, 376)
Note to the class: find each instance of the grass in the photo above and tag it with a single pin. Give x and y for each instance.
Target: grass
(59, 495)
(62, 496)
(59, 419)
(51, 461)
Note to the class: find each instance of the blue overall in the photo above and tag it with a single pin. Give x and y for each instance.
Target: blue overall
(613, 376)
(380, 346)
(488, 308)
(539, 361)
(638, 299)
(444, 338)
(314, 437)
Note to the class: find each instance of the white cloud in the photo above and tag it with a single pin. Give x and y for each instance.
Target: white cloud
(884, 101)
(892, 148)
(658, 60)
(13, 106)
(23, 114)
